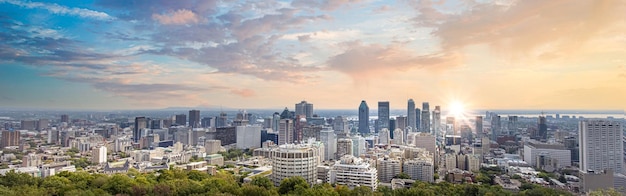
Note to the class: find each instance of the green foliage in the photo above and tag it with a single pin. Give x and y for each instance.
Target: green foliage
(292, 184)
(82, 162)
(562, 179)
(403, 175)
(232, 153)
(181, 182)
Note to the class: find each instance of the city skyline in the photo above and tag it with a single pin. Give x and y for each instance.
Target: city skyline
(271, 54)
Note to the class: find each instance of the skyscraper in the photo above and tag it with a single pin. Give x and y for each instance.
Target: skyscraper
(285, 131)
(194, 118)
(383, 115)
(479, 126)
(436, 121)
(418, 121)
(140, 123)
(65, 118)
(304, 108)
(410, 116)
(425, 124)
(601, 145)
(328, 137)
(181, 119)
(364, 117)
(542, 126)
(222, 120)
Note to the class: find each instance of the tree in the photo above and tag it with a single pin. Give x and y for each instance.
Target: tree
(403, 175)
(562, 179)
(118, 184)
(56, 185)
(290, 184)
(262, 182)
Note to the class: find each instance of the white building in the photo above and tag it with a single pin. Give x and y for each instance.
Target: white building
(248, 137)
(423, 140)
(420, 168)
(285, 131)
(388, 168)
(558, 152)
(398, 136)
(99, 155)
(328, 137)
(290, 160)
(352, 172)
(358, 146)
(601, 145)
(384, 137)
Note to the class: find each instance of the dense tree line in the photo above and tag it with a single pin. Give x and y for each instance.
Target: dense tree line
(182, 182)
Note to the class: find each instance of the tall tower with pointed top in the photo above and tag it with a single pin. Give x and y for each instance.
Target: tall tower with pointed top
(364, 116)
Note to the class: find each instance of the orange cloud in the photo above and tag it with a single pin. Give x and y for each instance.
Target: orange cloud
(364, 61)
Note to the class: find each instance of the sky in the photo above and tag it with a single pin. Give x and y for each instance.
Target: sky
(150, 54)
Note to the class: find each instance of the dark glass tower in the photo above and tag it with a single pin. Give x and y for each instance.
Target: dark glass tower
(364, 117)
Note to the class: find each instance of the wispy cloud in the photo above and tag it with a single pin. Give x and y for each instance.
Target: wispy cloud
(62, 10)
(177, 17)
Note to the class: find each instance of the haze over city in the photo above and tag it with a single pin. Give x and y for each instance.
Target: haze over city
(271, 54)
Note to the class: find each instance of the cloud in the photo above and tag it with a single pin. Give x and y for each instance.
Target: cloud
(553, 29)
(142, 10)
(323, 4)
(362, 61)
(243, 92)
(304, 38)
(62, 10)
(381, 9)
(177, 17)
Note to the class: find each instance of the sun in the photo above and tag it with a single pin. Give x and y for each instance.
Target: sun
(457, 108)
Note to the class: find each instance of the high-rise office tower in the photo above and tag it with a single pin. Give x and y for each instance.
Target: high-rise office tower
(425, 124)
(194, 118)
(340, 125)
(495, 126)
(304, 108)
(436, 121)
(285, 131)
(410, 116)
(181, 119)
(542, 127)
(418, 119)
(208, 122)
(329, 139)
(383, 115)
(364, 117)
(140, 123)
(275, 121)
(392, 126)
(222, 120)
(401, 122)
(601, 145)
(479, 126)
(65, 118)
